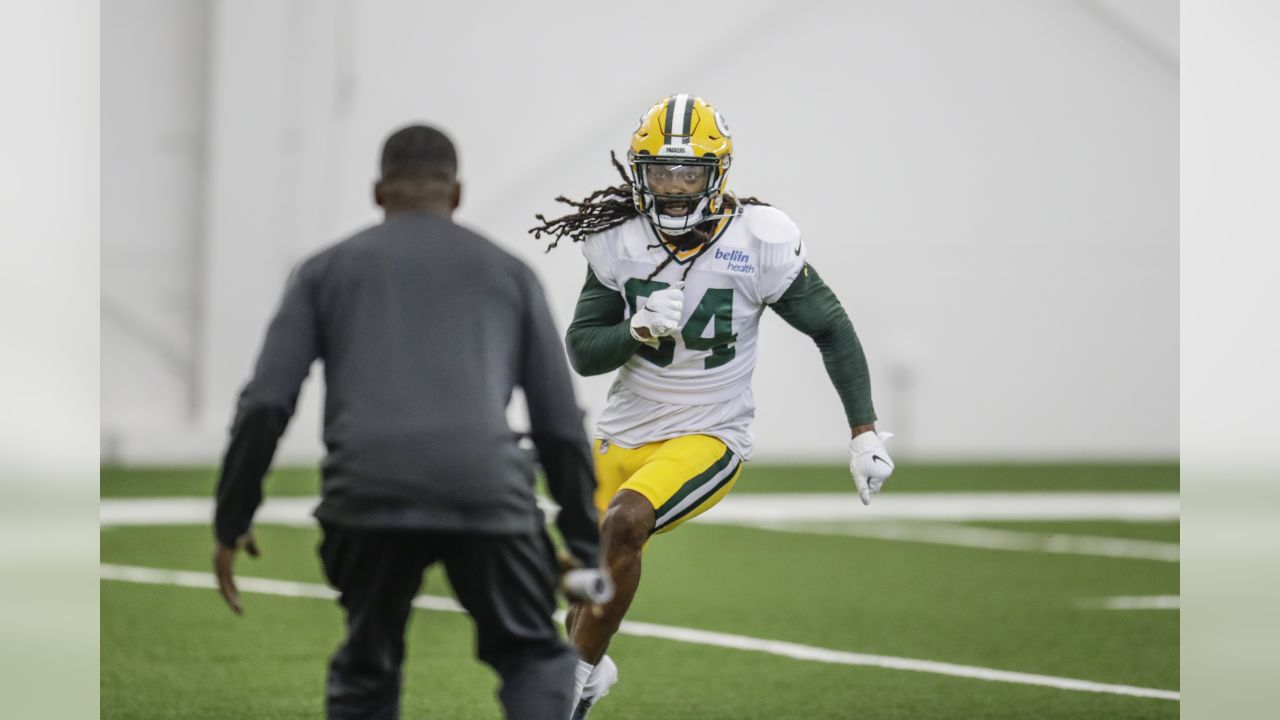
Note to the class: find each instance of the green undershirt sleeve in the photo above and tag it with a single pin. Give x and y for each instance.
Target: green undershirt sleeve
(599, 338)
(812, 308)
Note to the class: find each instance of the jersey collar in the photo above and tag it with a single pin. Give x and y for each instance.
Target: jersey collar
(684, 257)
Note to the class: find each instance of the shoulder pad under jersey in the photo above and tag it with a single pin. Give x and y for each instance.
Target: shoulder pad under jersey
(771, 226)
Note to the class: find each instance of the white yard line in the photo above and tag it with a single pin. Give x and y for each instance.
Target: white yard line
(815, 507)
(821, 514)
(1134, 602)
(199, 511)
(986, 538)
(667, 632)
(749, 508)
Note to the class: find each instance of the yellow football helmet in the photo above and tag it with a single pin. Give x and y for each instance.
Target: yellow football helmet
(680, 155)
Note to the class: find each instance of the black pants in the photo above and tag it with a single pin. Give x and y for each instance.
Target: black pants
(506, 583)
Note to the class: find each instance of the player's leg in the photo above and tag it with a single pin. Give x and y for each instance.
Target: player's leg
(676, 480)
(628, 522)
(614, 465)
(507, 584)
(377, 574)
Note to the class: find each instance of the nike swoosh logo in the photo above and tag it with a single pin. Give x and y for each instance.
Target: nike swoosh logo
(877, 457)
(797, 249)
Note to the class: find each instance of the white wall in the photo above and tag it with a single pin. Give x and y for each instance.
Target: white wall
(990, 186)
(154, 151)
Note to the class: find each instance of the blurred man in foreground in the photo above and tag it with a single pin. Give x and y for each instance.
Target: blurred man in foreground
(424, 329)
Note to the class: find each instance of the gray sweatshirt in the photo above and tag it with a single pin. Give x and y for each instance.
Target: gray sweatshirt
(424, 329)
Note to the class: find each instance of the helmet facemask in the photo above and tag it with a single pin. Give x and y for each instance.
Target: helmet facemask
(678, 194)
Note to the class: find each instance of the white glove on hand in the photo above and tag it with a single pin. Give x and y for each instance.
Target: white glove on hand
(660, 314)
(869, 463)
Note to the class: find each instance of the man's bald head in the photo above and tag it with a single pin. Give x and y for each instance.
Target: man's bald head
(419, 171)
(419, 151)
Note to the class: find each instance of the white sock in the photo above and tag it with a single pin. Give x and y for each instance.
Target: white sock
(580, 675)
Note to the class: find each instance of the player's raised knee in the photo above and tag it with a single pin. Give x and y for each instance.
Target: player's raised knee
(628, 522)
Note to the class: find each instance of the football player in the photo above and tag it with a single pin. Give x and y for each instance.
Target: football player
(679, 273)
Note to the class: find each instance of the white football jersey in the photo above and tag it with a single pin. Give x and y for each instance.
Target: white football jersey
(698, 380)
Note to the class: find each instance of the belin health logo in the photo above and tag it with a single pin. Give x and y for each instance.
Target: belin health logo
(735, 260)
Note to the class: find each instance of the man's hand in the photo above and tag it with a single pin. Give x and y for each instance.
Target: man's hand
(869, 463)
(660, 314)
(223, 558)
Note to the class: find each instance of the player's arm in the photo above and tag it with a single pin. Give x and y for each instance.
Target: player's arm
(599, 339)
(811, 307)
(265, 406)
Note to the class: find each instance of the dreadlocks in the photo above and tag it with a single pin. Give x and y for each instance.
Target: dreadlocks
(597, 212)
(609, 208)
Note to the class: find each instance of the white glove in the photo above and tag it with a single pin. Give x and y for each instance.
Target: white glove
(869, 463)
(660, 314)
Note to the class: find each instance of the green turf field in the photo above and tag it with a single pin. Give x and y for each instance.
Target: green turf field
(177, 652)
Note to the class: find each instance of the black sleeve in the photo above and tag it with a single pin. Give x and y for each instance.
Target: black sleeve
(599, 338)
(556, 428)
(266, 404)
(254, 435)
(812, 308)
